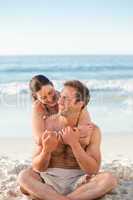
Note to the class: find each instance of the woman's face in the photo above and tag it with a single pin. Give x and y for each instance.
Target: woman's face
(47, 95)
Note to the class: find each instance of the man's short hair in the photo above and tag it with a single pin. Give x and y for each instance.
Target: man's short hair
(82, 93)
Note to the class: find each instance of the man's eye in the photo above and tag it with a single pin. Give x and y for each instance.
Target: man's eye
(65, 98)
(43, 98)
(49, 93)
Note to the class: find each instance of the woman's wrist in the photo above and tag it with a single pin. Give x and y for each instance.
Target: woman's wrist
(75, 145)
(46, 150)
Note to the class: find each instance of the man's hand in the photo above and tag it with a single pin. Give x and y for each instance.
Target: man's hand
(50, 141)
(70, 135)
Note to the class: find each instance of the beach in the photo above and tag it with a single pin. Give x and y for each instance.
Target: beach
(60, 41)
(15, 155)
(109, 79)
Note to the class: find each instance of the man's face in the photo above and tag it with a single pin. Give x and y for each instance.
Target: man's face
(67, 101)
(47, 95)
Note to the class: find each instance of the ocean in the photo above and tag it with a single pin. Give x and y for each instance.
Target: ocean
(109, 78)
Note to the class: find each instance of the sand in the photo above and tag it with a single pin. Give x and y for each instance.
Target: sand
(15, 155)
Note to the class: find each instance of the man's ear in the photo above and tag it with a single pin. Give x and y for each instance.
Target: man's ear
(80, 104)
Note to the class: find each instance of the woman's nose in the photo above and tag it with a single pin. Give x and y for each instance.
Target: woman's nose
(59, 100)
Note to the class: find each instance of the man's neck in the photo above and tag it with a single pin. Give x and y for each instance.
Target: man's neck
(84, 117)
(78, 118)
(72, 119)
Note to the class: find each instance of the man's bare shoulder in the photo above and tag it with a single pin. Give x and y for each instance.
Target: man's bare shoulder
(96, 134)
(88, 132)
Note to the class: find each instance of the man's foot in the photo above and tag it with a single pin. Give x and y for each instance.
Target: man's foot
(25, 197)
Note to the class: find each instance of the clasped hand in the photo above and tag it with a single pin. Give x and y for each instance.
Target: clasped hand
(70, 135)
(50, 141)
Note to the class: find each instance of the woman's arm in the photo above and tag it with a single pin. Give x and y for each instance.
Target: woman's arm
(42, 156)
(41, 159)
(38, 122)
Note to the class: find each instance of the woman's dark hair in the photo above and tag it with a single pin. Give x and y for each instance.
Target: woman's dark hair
(36, 84)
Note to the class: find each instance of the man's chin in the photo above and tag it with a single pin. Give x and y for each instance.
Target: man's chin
(64, 113)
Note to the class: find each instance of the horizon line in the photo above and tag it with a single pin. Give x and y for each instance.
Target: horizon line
(72, 54)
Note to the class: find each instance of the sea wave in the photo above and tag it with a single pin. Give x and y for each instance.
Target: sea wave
(124, 85)
(12, 68)
(113, 85)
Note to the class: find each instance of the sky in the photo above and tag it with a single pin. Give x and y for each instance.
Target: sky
(66, 27)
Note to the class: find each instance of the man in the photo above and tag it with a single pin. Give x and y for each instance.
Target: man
(68, 160)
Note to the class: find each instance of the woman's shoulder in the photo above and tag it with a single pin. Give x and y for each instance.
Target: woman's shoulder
(38, 107)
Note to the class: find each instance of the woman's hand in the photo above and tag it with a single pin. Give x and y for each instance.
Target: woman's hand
(86, 130)
(50, 141)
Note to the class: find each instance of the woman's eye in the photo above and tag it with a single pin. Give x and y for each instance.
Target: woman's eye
(43, 98)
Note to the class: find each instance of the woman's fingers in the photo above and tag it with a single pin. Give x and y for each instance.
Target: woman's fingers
(45, 134)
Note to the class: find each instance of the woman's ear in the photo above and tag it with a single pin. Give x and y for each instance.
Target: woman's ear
(34, 97)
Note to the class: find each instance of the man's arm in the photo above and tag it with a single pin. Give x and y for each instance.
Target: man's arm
(90, 159)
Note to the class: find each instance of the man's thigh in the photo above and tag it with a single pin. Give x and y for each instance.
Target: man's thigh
(104, 177)
(81, 181)
(26, 174)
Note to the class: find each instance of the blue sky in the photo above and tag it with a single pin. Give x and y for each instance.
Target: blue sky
(66, 27)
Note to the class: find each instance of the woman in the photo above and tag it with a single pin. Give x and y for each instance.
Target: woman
(45, 103)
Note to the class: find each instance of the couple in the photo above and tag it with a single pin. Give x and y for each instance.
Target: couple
(66, 162)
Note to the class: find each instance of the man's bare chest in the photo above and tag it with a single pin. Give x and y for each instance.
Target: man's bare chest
(54, 124)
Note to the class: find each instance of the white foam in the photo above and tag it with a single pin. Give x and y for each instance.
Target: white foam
(124, 85)
(13, 88)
